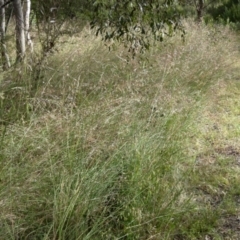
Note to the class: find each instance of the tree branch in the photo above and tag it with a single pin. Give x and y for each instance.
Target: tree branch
(5, 4)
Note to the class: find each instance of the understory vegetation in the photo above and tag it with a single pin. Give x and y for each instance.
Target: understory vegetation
(95, 145)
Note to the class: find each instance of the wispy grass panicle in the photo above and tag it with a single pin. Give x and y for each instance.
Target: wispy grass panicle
(98, 148)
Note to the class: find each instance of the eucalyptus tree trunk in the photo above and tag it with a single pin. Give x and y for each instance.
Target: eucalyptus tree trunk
(26, 11)
(200, 8)
(20, 34)
(5, 57)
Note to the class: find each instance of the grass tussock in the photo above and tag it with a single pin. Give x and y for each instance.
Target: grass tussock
(95, 148)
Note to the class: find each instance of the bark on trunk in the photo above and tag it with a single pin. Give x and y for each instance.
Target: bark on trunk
(200, 8)
(20, 36)
(27, 10)
(5, 57)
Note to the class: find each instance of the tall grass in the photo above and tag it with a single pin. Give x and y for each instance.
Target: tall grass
(94, 148)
